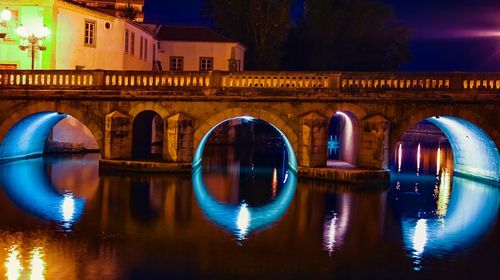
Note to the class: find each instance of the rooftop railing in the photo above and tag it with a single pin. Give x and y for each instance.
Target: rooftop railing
(301, 81)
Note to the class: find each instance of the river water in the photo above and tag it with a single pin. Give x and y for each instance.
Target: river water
(243, 216)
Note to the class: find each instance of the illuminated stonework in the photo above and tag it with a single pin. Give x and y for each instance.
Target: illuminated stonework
(474, 152)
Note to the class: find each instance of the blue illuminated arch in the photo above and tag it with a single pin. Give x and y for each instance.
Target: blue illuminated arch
(27, 137)
(198, 155)
(27, 185)
(242, 219)
(474, 152)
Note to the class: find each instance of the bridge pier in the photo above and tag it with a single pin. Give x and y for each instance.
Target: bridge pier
(179, 139)
(313, 140)
(118, 136)
(374, 143)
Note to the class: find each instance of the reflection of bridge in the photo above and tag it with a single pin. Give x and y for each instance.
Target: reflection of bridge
(383, 105)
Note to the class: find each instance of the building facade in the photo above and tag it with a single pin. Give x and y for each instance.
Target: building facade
(188, 48)
(79, 38)
(86, 36)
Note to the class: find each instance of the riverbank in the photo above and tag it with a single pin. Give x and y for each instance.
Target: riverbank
(351, 175)
(143, 166)
(354, 175)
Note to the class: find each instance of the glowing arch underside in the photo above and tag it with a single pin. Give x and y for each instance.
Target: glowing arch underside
(240, 219)
(198, 155)
(27, 137)
(475, 154)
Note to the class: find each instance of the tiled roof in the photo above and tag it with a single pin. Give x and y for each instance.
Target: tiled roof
(83, 6)
(190, 34)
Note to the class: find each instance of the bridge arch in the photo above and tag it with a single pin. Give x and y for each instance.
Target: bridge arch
(34, 111)
(473, 139)
(343, 137)
(358, 111)
(148, 106)
(283, 127)
(148, 126)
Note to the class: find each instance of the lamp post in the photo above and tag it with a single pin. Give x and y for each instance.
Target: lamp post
(5, 16)
(32, 40)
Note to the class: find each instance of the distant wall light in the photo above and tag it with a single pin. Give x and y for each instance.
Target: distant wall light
(5, 16)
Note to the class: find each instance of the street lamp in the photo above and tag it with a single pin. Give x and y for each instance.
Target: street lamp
(5, 16)
(31, 40)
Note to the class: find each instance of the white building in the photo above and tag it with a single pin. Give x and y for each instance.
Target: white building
(80, 38)
(187, 48)
(86, 36)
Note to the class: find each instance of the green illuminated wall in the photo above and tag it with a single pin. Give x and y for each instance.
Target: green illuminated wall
(35, 15)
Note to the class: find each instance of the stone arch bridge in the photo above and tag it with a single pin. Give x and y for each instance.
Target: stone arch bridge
(299, 104)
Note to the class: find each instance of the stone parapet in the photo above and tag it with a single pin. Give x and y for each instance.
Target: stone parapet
(214, 82)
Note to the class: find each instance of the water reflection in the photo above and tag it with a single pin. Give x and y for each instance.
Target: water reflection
(37, 264)
(154, 226)
(242, 219)
(28, 186)
(23, 259)
(458, 221)
(13, 264)
(335, 227)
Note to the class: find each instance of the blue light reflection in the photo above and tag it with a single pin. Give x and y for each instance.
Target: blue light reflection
(243, 219)
(27, 137)
(27, 185)
(472, 212)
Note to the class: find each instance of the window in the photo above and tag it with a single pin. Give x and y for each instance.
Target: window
(141, 47)
(234, 65)
(206, 63)
(132, 43)
(176, 63)
(145, 49)
(90, 30)
(126, 40)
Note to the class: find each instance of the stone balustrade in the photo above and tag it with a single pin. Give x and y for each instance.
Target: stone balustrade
(279, 80)
(319, 81)
(380, 81)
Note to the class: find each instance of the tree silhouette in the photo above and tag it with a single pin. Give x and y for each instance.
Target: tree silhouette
(129, 12)
(261, 25)
(359, 35)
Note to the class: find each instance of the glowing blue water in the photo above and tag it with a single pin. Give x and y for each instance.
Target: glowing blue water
(472, 211)
(27, 185)
(242, 219)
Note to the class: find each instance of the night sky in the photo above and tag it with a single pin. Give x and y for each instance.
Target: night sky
(447, 35)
